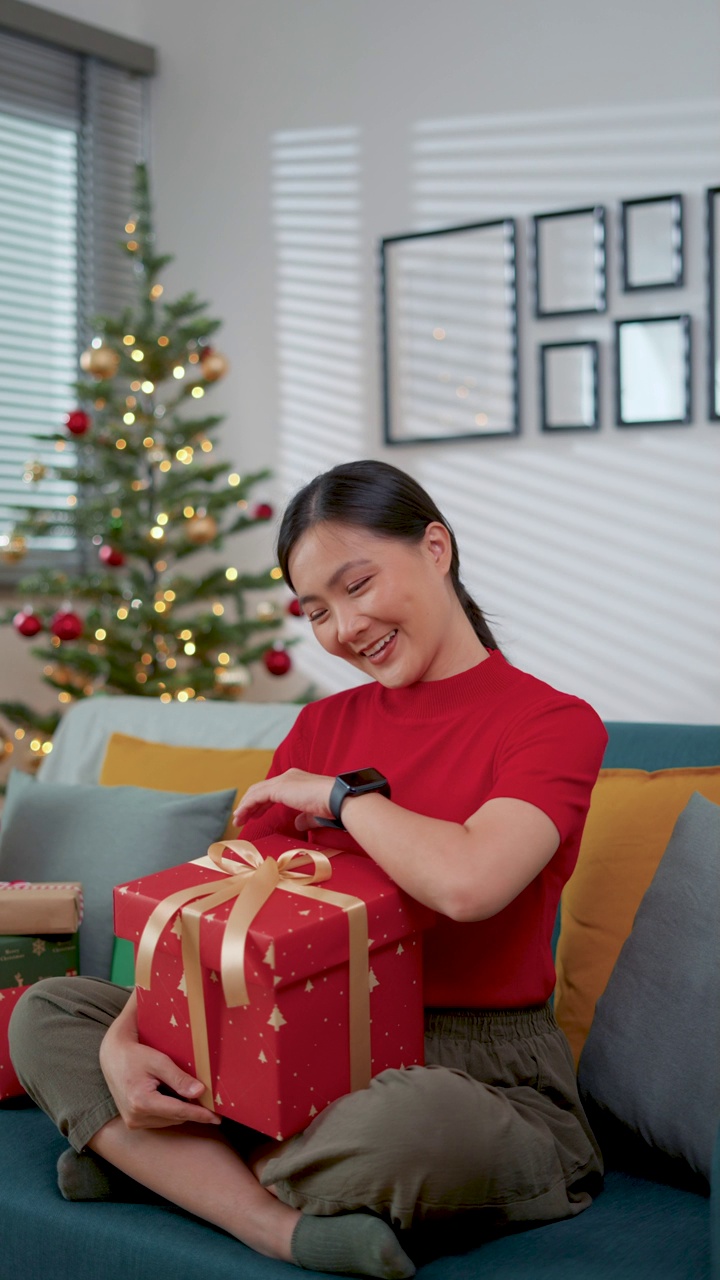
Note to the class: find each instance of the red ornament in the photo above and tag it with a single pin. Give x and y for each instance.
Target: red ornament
(27, 622)
(77, 422)
(66, 625)
(277, 661)
(111, 556)
(262, 511)
(295, 608)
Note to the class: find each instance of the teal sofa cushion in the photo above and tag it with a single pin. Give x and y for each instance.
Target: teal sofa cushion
(102, 836)
(636, 1230)
(652, 1056)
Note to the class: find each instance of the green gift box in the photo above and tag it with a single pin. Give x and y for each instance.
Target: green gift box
(25, 959)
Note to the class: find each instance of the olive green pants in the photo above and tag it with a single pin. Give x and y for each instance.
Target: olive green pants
(492, 1124)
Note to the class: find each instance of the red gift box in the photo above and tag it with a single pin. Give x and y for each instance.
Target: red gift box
(296, 989)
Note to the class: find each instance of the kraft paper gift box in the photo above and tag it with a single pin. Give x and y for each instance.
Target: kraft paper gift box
(25, 959)
(323, 992)
(31, 907)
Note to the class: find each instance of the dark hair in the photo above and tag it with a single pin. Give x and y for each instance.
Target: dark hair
(378, 497)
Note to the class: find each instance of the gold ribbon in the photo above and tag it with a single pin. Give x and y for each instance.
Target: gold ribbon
(251, 882)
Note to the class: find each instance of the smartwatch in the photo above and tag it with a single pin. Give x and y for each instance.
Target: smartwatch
(357, 783)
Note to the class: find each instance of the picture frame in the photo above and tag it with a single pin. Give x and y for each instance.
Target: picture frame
(450, 334)
(569, 386)
(713, 277)
(569, 262)
(652, 247)
(653, 371)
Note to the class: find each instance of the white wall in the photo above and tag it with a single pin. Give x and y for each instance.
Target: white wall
(597, 556)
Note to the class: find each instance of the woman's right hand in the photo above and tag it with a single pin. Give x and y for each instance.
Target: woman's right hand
(135, 1074)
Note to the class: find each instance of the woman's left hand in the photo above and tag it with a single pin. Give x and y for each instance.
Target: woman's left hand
(309, 793)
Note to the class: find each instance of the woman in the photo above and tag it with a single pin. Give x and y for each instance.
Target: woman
(489, 773)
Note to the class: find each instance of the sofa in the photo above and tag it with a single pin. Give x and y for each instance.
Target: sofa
(653, 1218)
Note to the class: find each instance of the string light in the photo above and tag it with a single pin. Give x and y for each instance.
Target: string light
(206, 446)
(223, 659)
(169, 595)
(130, 227)
(122, 612)
(166, 465)
(276, 573)
(157, 291)
(198, 393)
(231, 575)
(128, 419)
(185, 635)
(179, 371)
(148, 386)
(218, 609)
(234, 479)
(160, 606)
(148, 442)
(166, 697)
(188, 512)
(101, 633)
(189, 648)
(137, 354)
(171, 664)
(116, 513)
(129, 340)
(121, 444)
(163, 341)
(135, 386)
(162, 518)
(157, 532)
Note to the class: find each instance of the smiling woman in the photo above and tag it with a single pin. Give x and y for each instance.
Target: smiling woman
(468, 782)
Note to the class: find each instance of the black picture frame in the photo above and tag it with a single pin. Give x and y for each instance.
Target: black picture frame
(713, 284)
(468, 273)
(627, 366)
(558, 253)
(636, 242)
(549, 418)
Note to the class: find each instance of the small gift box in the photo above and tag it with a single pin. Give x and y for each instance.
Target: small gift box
(280, 977)
(27, 907)
(25, 959)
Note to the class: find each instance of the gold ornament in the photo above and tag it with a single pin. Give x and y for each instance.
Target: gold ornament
(34, 471)
(266, 611)
(201, 529)
(15, 549)
(232, 681)
(213, 366)
(100, 362)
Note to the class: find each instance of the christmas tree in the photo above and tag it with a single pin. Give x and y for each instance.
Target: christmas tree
(147, 494)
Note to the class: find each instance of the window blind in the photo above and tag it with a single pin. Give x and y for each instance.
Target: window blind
(71, 131)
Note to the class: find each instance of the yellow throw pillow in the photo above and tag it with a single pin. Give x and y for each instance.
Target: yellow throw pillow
(135, 762)
(631, 818)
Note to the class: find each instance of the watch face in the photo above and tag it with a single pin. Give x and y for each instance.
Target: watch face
(362, 778)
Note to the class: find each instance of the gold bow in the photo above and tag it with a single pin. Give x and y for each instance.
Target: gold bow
(251, 882)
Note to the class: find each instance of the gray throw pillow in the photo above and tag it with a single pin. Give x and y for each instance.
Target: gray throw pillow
(102, 836)
(651, 1058)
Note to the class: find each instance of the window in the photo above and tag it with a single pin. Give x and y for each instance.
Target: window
(71, 130)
